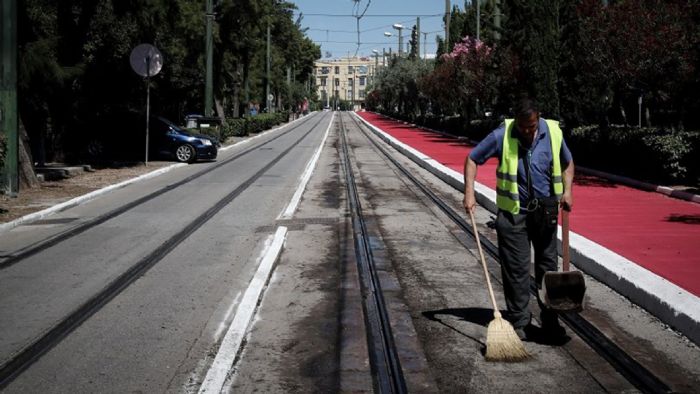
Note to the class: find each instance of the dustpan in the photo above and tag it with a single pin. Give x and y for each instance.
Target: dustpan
(563, 291)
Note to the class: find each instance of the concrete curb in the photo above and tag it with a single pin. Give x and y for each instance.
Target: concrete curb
(81, 199)
(679, 194)
(668, 302)
(89, 196)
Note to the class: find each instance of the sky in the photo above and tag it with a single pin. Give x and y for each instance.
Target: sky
(332, 25)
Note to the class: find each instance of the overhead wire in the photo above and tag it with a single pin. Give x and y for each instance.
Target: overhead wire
(376, 15)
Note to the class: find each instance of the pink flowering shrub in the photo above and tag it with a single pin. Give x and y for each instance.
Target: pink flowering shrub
(465, 77)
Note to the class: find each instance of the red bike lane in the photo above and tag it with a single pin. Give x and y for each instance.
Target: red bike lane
(657, 232)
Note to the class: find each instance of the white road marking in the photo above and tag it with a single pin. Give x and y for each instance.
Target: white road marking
(231, 344)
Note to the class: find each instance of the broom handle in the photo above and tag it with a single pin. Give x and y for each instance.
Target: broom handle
(565, 240)
(496, 312)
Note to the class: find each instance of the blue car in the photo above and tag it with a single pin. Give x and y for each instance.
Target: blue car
(122, 138)
(168, 140)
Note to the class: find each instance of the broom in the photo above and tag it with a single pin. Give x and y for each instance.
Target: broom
(502, 343)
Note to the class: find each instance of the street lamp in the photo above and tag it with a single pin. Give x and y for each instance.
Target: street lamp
(376, 63)
(399, 27)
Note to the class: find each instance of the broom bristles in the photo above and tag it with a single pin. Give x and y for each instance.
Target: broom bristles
(503, 344)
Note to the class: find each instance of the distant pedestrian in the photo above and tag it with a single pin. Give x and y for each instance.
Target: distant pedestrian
(534, 178)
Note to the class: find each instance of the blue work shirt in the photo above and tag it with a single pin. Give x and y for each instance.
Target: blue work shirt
(540, 163)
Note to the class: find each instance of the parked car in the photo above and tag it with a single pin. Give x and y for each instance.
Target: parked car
(124, 138)
(170, 140)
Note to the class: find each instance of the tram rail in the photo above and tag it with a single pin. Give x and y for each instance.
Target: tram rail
(54, 335)
(27, 252)
(633, 371)
(383, 354)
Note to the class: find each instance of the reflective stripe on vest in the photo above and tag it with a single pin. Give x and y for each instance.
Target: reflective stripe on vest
(507, 197)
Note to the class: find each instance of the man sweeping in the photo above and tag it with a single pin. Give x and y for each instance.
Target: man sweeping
(534, 177)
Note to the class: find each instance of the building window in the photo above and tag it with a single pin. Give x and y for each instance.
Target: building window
(362, 93)
(351, 69)
(362, 69)
(337, 69)
(363, 80)
(337, 82)
(349, 95)
(323, 81)
(337, 93)
(325, 70)
(350, 82)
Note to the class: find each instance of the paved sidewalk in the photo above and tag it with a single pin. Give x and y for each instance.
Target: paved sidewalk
(617, 228)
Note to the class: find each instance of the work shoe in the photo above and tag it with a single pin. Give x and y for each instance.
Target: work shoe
(552, 332)
(525, 332)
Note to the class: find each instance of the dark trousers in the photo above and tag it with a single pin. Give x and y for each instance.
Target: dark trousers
(516, 233)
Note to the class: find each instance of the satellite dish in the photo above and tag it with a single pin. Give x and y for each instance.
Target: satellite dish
(146, 60)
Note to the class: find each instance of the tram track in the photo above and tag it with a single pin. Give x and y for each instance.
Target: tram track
(633, 371)
(384, 359)
(22, 254)
(32, 352)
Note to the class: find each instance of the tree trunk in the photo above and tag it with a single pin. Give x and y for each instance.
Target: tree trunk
(27, 176)
(220, 110)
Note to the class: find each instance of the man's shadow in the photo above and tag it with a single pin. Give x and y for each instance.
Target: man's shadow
(482, 317)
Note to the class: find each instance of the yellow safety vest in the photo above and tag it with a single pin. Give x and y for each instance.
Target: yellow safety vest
(507, 197)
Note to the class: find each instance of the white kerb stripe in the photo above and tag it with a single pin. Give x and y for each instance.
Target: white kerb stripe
(216, 376)
(84, 198)
(294, 203)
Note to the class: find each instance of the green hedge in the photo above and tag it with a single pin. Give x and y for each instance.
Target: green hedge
(252, 124)
(648, 154)
(455, 125)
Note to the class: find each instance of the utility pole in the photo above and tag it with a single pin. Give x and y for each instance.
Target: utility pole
(478, 19)
(399, 27)
(289, 88)
(267, 83)
(209, 78)
(497, 20)
(418, 37)
(8, 95)
(425, 45)
(447, 26)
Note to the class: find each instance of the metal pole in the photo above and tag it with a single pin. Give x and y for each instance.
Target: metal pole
(267, 84)
(376, 65)
(418, 37)
(478, 19)
(425, 45)
(400, 41)
(148, 104)
(289, 86)
(447, 25)
(496, 19)
(8, 95)
(639, 102)
(208, 90)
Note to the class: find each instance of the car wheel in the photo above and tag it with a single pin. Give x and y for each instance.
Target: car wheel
(185, 153)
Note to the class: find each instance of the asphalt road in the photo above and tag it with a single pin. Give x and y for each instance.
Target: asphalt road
(162, 332)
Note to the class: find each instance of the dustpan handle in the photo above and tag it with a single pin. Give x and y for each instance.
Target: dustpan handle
(565, 240)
